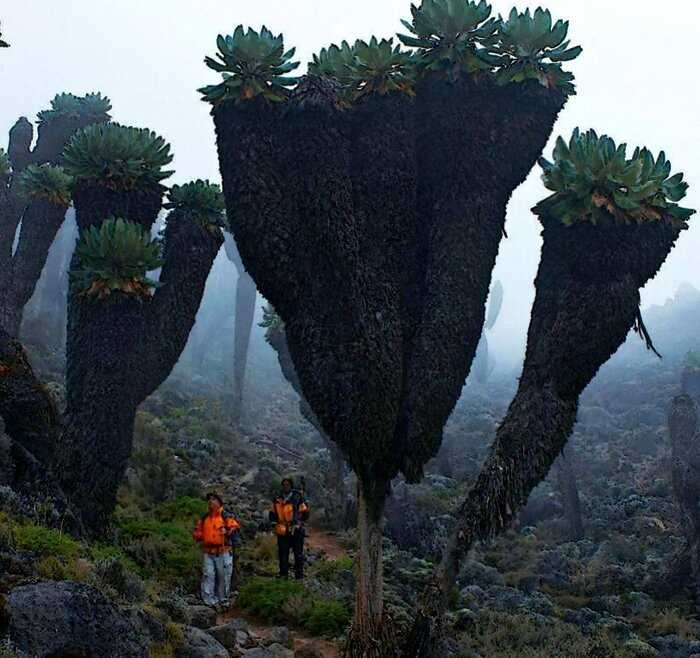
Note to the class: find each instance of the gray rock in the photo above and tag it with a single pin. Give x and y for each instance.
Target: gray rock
(201, 616)
(64, 618)
(279, 635)
(199, 644)
(232, 634)
(273, 651)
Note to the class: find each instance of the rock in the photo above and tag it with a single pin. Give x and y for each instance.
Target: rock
(201, 616)
(278, 635)
(273, 651)
(232, 634)
(308, 652)
(65, 618)
(199, 644)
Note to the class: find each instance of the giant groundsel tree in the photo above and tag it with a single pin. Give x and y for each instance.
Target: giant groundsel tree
(34, 196)
(360, 217)
(607, 229)
(125, 331)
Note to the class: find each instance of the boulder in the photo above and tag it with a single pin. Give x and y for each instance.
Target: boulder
(273, 651)
(65, 618)
(233, 634)
(278, 635)
(201, 616)
(199, 644)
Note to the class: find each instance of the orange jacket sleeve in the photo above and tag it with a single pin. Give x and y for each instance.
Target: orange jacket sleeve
(232, 524)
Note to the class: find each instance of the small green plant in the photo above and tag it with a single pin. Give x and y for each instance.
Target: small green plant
(5, 164)
(452, 36)
(93, 108)
(327, 618)
(118, 157)
(334, 62)
(115, 258)
(46, 541)
(46, 182)
(593, 180)
(252, 64)
(201, 198)
(532, 48)
(271, 320)
(185, 509)
(266, 597)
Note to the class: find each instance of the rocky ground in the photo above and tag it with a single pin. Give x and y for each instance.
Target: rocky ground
(535, 592)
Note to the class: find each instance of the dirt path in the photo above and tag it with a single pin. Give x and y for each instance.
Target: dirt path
(327, 542)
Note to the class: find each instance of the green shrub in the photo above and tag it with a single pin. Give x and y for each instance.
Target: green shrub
(186, 509)
(328, 618)
(46, 541)
(50, 567)
(331, 570)
(266, 597)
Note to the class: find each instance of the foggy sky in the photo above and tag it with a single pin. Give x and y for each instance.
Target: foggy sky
(637, 81)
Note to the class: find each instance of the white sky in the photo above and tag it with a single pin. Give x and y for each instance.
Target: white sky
(637, 80)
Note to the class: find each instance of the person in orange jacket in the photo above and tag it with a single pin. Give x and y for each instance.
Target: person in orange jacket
(214, 532)
(289, 511)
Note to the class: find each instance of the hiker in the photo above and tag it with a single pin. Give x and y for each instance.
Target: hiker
(289, 511)
(214, 531)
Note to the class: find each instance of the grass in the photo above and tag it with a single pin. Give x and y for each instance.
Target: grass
(46, 541)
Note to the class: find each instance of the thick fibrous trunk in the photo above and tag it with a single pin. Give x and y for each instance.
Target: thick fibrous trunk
(568, 491)
(462, 200)
(95, 203)
(119, 351)
(41, 220)
(586, 302)
(18, 278)
(685, 473)
(246, 295)
(29, 412)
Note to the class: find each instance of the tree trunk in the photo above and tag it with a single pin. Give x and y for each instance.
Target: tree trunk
(568, 492)
(685, 473)
(121, 349)
(246, 294)
(587, 299)
(370, 635)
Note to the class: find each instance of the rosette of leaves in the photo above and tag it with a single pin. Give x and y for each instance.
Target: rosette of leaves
(252, 64)
(116, 258)
(117, 157)
(594, 180)
(46, 182)
(334, 62)
(532, 48)
(5, 164)
(200, 198)
(93, 107)
(380, 67)
(453, 36)
(270, 320)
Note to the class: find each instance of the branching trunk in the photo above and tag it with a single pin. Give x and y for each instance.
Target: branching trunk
(685, 472)
(586, 302)
(119, 351)
(568, 491)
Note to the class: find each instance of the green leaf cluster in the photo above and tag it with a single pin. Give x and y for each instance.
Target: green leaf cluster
(93, 108)
(46, 182)
(593, 180)
(115, 258)
(453, 36)
(117, 157)
(270, 320)
(252, 64)
(5, 164)
(201, 198)
(532, 48)
(374, 67)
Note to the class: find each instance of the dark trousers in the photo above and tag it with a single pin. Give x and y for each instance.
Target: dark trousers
(295, 542)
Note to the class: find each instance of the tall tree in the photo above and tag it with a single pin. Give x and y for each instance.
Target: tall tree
(608, 228)
(33, 195)
(246, 295)
(123, 339)
(685, 474)
(361, 220)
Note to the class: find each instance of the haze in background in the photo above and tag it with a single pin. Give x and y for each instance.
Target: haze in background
(636, 81)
